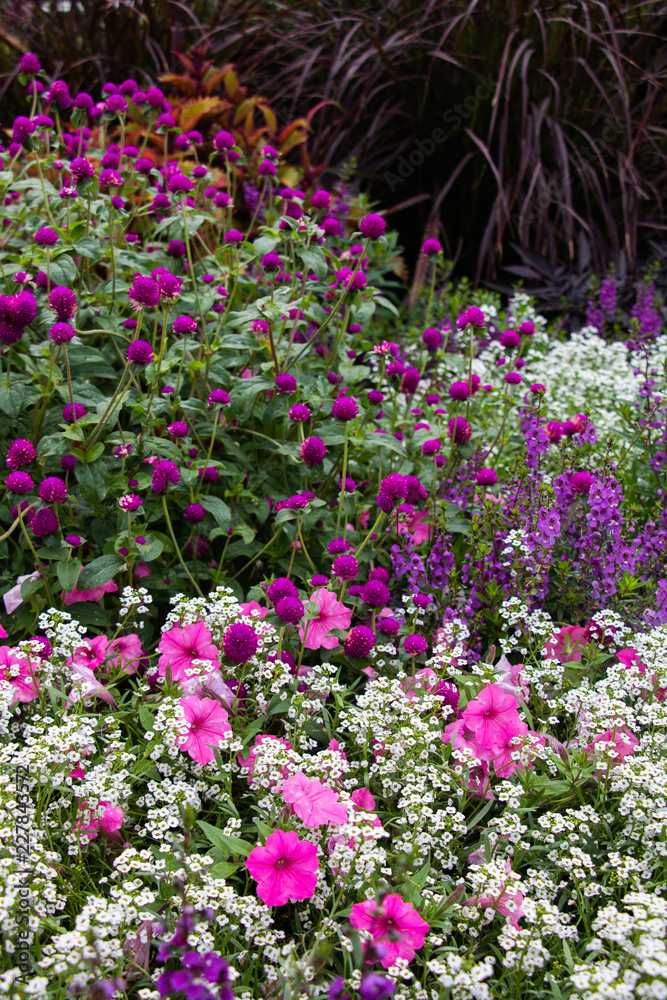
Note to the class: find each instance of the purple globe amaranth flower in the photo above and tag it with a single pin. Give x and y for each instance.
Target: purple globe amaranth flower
(178, 429)
(410, 383)
(359, 641)
(240, 643)
(415, 645)
(372, 226)
(184, 324)
(472, 316)
(19, 482)
(459, 390)
(299, 413)
(176, 248)
(388, 626)
(166, 121)
(395, 485)
(116, 105)
(510, 339)
(218, 397)
(10, 333)
(431, 247)
(281, 587)
(312, 451)
(286, 384)
(144, 293)
(513, 378)
(59, 94)
(130, 502)
(233, 236)
(210, 474)
(164, 473)
(84, 102)
(375, 594)
(321, 201)
(110, 179)
(432, 339)
(223, 140)
(554, 431)
(140, 352)
(431, 447)
(170, 286)
(63, 302)
(62, 333)
(527, 327)
(538, 389)
(375, 396)
(52, 490)
(18, 310)
(44, 523)
(290, 610)
(459, 429)
(376, 987)
(144, 165)
(194, 513)
(71, 416)
(581, 483)
(345, 408)
(179, 184)
(345, 567)
(270, 261)
(486, 477)
(20, 452)
(22, 128)
(30, 64)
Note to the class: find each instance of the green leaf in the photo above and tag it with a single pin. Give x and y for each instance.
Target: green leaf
(315, 261)
(386, 304)
(67, 267)
(11, 399)
(99, 571)
(88, 247)
(68, 574)
(95, 452)
(384, 441)
(219, 509)
(226, 843)
(93, 481)
(147, 720)
(223, 869)
(265, 244)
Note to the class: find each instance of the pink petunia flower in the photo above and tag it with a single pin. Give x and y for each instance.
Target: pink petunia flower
(18, 672)
(568, 644)
(331, 614)
(313, 802)
(493, 717)
(209, 727)
(508, 904)
(180, 647)
(254, 606)
(394, 923)
(95, 594)
(87, 684)
(611, 748)
(107, 818)
(285, 868)
(255, 751)
(417, 526)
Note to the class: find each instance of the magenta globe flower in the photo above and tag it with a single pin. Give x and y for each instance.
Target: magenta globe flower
(313, 451)
(240, 643)
(345, 408)
(486, 477)
(415, 645)
(140, 352)
(20, 452)
(52, 490)
(359, 641)
(372, 226)
(459, 429)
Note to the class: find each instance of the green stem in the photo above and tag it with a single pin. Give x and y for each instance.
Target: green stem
(111, 250)
(49, 595)
(342, 488)
(176, 546)
(368, 536)
(97, 430)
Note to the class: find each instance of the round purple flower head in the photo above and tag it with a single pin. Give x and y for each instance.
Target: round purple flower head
(270, 261)
(432, 339)
(345, 408)
(59, 94)
(29, 64)
(581, 483)
(338, 545)
(223, 140)
(286, 384)
(510, 339)
(411, 379)
(473, 317)
(233, 236)
(194, 513)
(388, 626)
(359, 641)
(176, 248)
(290, 610)
(140, 352)
(372, 226)
(415, 645)
(46, 237)
(84, 102)
(130, 502)
(459, 390)
(62, 333)
(164, 473)
(375, 594)
(312, 451)
(299, 413)
(281, 587)
(513, 378)
(22, 128)
(184, 324)
(44, 523)
(63, 302)
(345, 567)
(527, 327)
(179, 429)
(71, 417)
(459, 429)
(431, 447)
(110, 179)
(431, 247)
(144, 293)
(179, 184)
(19, 482)
(240, 643)
(218, 397)
(20, 452)
(52, 490)
(486, 477)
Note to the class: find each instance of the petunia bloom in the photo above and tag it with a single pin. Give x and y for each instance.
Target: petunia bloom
(331, 614)
(313, 802)
(285, 868)
(394, 923)
(208, 727)
(180, 647)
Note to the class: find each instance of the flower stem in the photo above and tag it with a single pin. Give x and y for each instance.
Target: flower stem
(176, 546)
